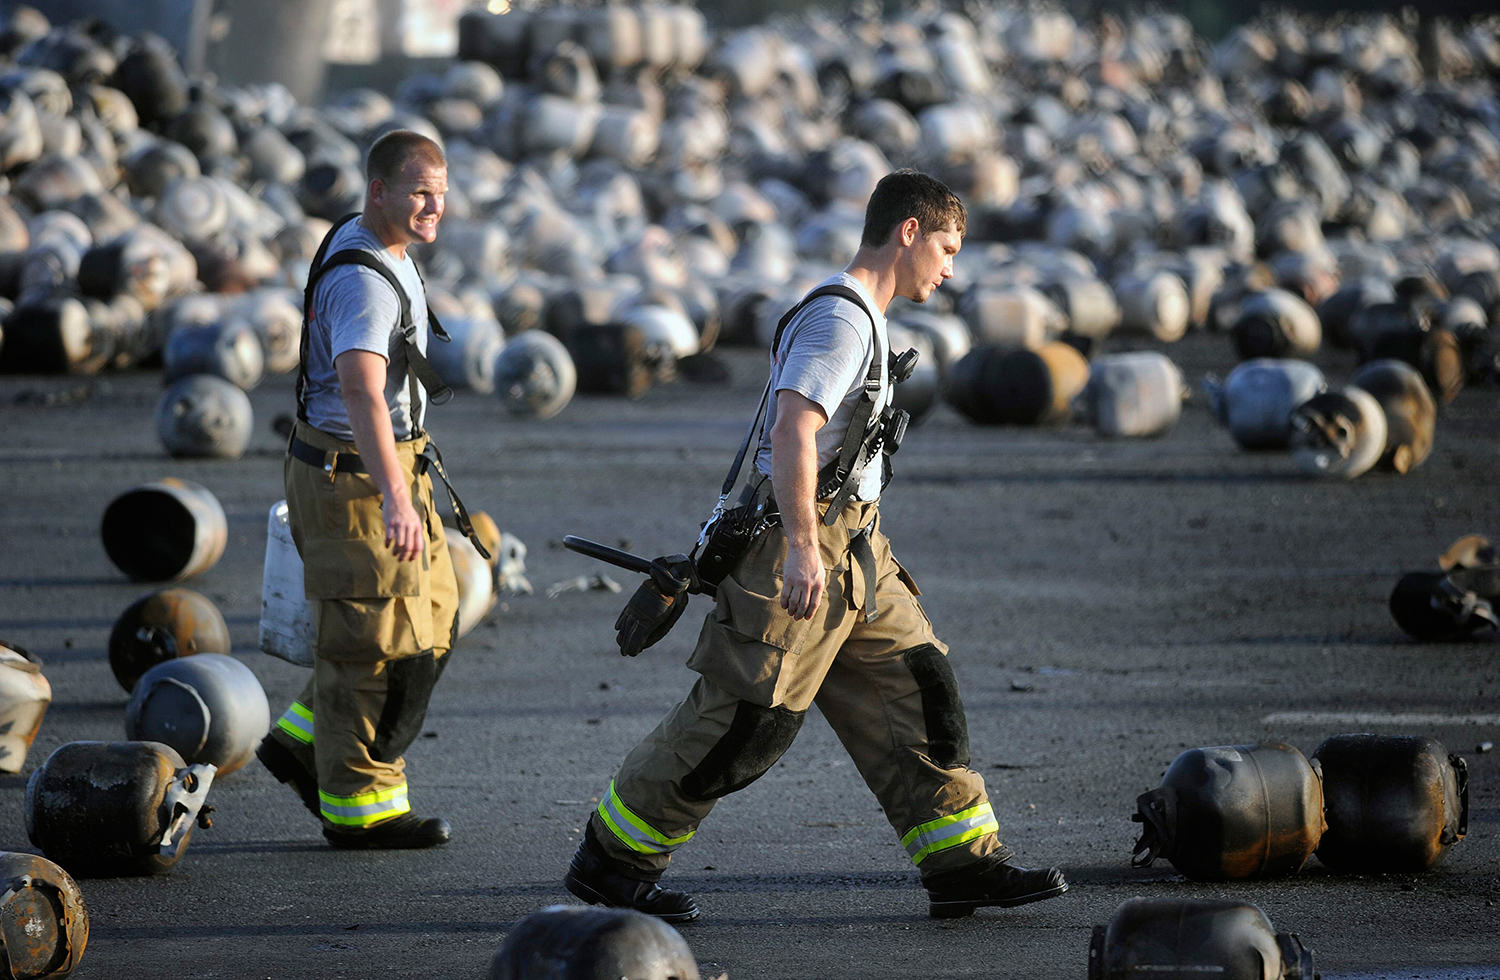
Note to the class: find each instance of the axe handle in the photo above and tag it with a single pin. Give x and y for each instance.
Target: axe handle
(603, 552)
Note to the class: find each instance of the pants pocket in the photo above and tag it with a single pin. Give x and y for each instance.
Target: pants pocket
(745, 642)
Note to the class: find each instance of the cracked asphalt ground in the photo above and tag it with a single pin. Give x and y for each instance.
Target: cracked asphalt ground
(1109, 603)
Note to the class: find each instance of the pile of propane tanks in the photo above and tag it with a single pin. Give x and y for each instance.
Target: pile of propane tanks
(629, 189)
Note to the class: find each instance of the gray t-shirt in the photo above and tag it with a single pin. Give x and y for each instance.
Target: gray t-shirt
(824, 355)
(354, 308)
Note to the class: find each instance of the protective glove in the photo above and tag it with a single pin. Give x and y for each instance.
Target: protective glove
(656, 605)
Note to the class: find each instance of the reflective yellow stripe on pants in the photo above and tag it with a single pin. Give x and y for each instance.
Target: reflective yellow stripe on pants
(950, 831)
(632, 831)
(365, 808)
(297, 721)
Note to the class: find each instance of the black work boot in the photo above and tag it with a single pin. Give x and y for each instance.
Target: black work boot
(593, 877)
(992, 881)
(285, 766)
(406, 832)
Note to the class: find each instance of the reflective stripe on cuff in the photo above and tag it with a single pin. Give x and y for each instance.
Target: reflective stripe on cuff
(297, 721)
(634, 832)
(950, 831)
(364, 809)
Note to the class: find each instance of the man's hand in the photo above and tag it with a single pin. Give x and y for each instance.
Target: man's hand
(404, 533)
(802, 582)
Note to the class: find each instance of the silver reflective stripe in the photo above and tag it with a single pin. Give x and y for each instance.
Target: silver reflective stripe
(365, 808)
(297, 721)
(634, 832)
(950, 831)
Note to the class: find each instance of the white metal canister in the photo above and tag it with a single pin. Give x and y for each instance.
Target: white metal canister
(1138, 393)
(288, 627)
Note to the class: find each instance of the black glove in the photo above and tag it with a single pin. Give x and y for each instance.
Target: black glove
(656, 605)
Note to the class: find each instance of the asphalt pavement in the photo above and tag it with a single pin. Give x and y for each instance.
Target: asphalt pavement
(1109, 603)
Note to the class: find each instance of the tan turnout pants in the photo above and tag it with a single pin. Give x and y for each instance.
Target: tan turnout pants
(383, 626)
(883, 685)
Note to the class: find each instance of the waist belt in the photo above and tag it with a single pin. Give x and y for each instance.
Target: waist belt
(333, 461)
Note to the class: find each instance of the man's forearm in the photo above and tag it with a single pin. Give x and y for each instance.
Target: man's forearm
(370, 420)
(794, 480)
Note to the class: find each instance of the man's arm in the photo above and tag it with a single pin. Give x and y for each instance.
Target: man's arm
(794, 479)
(362, 386)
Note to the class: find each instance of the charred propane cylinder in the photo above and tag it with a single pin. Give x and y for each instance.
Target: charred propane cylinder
(571, 942)
(44, 923)
(1017, 386)
(103, 809)
(1338, 433)
(210, 708)
(1171, 939)
(1233, 811)
(1440, 606)
(164, 625)
(24, 697)
(1256, 400)
(1409, 409)
(1393, 802)
(163, 531)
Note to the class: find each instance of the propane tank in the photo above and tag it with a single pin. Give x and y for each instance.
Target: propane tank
(24, 697)
(1434, 606)
(288, 622)
(210, 708)
(46, 918)
(1257, 398)
(1174, 939)
(1274, 322)
(1338, 433)
(116, 808)
(163, 531)
(1133, 394)
(563, 942)
(164, 625)
(1233, 811)
(227, 348)
(204, 415)
(1393, 802)
(534, 375)
(468, 359)
(1017, 386)
(476, 580)
(1409, 409)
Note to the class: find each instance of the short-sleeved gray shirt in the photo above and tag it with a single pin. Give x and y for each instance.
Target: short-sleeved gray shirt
(824, 356)
(354, 308)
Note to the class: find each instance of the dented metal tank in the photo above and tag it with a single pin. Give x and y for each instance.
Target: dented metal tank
(210, 708)
(103, 809)
(164, 625)
(1394, 803)
(572, 942)
(1233, 811)
(163, 531)
(44, 921)
(1255, 402)
(24, 696)
(1178, 939)
(1338, 433)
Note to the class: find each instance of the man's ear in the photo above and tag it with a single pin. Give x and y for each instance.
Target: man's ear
(376, 190)
(908, 230)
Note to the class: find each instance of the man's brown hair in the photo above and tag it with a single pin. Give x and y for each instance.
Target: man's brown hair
(911, 194)
(395, 149)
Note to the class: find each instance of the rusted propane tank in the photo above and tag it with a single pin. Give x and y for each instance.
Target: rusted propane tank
(1233, 811)
(24, 697)
(572, 942)
(1393, 802)
(164, 531)
(210, 708)
(1179, 939)
(164, 625)
(46, 918)
(102, 809)
(1409, 408)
